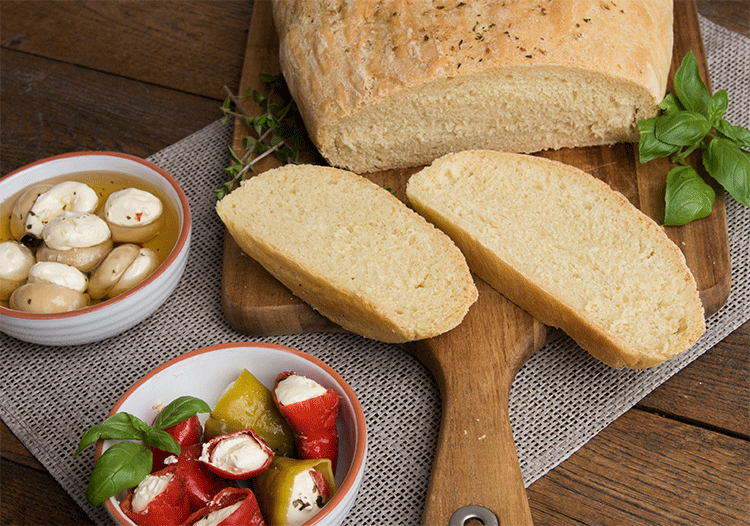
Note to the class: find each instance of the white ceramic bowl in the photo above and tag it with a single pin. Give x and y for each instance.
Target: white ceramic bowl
(205, 373)
(111, 317)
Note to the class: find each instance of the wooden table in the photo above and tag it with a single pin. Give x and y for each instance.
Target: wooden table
(137, 76)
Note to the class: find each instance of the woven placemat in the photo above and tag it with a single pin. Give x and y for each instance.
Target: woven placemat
(560, 399)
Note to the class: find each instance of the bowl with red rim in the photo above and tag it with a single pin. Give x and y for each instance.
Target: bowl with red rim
(205, 373)
(102, 318)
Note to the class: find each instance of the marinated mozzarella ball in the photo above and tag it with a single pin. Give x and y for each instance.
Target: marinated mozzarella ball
(133, 215)
(58, 274)
(51, 287)
(68, 196)
(47, 298)
(15, 262)
(75, 230)
(81, 240)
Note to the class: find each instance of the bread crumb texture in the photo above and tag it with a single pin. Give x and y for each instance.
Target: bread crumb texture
(351, 250)
(581, 256)
(393, 83)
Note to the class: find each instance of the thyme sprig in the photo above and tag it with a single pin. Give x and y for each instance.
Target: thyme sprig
(275, 130)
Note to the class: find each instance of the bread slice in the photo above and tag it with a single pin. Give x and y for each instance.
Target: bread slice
(568, 249)
(387, 84)
(351, 250)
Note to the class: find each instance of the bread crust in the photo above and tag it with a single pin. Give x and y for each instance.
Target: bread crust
(340, 58)
(330, 283)
(524, 290)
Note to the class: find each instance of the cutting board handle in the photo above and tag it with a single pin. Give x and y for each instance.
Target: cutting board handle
(476, 473)
(462, 516)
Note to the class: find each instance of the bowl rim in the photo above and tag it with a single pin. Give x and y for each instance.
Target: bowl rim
(360, 451)
(179, 246)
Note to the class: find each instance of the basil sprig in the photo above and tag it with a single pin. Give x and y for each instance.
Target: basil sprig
(692, 119)
(126, 464)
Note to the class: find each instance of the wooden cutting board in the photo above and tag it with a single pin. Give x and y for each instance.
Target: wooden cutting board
(476, 473)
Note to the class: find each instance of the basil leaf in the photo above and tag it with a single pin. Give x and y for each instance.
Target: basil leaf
(717, 107)
(737, 134)
(726, 162)
(671, 104)
(120, 426)
(649, 147)
(687, 197)
(684, 128)
(689, 86)
(742, 136)
(120, 467)
(180, 409)
(162, 440)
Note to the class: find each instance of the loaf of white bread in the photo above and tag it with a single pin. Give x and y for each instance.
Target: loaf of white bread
(387, 84)
(568, 249)
(351, 250)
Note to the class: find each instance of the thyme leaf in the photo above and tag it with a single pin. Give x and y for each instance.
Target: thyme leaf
(275, 130)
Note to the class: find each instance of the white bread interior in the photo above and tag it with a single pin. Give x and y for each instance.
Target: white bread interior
(568, 249)
(351, 250)
(387, 84)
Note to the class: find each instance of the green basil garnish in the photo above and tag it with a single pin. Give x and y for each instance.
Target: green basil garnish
(126, 464)
(692, 119)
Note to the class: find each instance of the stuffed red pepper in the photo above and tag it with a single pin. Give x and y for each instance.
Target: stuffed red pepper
(159, 500)
(230, 507)
(199, 484)
(239, 455)
(185, 433)
(311, 411)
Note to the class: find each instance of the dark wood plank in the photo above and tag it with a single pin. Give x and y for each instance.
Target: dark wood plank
(647, 470)
(14, 450)
(608, 470)
(731, 14)
(704, 434)
(24, 477)
(707, 391)
(33, 496)
(195, 46)
(48, 108)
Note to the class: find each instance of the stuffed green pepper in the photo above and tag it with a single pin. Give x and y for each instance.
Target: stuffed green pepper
(248, 404)
(291, 491)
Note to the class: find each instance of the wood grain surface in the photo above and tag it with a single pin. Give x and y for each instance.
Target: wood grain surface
(127, 88)
(476, 362)
(256, 304)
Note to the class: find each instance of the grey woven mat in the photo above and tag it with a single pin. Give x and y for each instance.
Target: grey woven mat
(560, 399)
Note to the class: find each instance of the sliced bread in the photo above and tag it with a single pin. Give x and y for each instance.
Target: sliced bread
(568, 249)
(391, 83)
(351, 250)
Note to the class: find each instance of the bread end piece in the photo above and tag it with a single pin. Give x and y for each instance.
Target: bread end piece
(393, 84)
(569, 250)
(352, 251)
